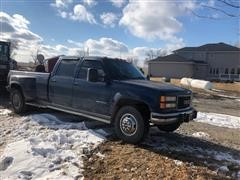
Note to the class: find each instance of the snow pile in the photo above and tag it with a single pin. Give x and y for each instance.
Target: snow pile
(5, 112)
(221, 120)
(200, 84)
(48, 148)
(186, 81)
(202, 135)
(195, 83)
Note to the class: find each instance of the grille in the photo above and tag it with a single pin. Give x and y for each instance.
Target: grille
(184, 102)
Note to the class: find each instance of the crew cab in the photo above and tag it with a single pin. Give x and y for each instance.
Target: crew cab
(110, 90)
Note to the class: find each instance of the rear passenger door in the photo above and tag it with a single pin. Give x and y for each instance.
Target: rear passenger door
(61, 83)
(91, 97)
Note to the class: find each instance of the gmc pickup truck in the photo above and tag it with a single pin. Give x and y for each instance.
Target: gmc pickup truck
(109, 90)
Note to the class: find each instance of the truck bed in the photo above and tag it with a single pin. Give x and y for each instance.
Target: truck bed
(34, 84)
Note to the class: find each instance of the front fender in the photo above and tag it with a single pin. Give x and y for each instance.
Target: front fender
(121, 99)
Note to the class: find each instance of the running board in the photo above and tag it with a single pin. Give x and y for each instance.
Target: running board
(72, 112)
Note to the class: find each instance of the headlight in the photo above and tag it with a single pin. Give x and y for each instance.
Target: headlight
(171, 98)
(172, 105)
(168, 102)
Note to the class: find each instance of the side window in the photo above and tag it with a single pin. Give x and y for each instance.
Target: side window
(66, 68)
(233, 71)
(90, 64)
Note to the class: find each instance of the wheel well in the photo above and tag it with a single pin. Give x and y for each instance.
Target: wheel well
(141, 106)
(16, 86)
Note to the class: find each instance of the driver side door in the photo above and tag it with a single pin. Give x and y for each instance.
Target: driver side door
(91, 97)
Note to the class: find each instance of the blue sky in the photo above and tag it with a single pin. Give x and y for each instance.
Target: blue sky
(129, 27)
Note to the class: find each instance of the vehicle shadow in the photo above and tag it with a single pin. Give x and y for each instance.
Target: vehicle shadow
(193, 150)
(4, 97)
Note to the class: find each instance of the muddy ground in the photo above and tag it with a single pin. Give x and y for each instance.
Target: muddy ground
(177, 155)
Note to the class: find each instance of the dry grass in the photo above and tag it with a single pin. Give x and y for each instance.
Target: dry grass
(235, 87)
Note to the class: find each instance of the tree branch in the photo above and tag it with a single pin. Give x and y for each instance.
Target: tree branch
(221, 10)
(229, 4)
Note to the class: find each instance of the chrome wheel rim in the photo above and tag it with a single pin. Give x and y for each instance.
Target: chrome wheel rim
(16, 101)
(128, 124)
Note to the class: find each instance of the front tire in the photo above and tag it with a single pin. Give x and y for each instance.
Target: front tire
(18, 101)
(169, 127)
(130, 125)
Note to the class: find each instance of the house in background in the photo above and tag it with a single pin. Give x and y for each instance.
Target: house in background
(210, 62)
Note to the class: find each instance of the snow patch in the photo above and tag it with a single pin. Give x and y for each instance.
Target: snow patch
(221, 120)
(47, 147)
(223, 169)
(202, 135)
(5, 112)
(178, 163)
(54, 122)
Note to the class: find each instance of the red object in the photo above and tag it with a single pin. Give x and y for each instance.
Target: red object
(51, 63)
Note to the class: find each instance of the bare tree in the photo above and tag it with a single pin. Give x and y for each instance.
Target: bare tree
(150, 54)
(34, 56)
(228, 8)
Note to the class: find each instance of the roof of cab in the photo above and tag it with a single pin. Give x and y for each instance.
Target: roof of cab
(98, 58)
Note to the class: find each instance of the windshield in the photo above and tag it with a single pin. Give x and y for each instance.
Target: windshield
(122, 70)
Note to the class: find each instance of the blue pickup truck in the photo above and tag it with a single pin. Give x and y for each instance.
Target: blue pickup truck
(109, 90)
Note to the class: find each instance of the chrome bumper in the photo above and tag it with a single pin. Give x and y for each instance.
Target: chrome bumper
(169, 118)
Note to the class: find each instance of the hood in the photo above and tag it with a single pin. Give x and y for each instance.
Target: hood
(160, 86)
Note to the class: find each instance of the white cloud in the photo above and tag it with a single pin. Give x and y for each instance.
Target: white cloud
(90, 2)
(118, 3)
(106, 47)
(51, 51)
(61, 3)
(155, 19)
(109, 19)
(80, 13)
(15, 29)
(78, 44)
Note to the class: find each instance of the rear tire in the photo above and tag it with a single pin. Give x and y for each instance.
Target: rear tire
(169, 127)
(130, 125)
(18, 101)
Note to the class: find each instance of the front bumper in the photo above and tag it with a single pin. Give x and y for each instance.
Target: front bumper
(169, 118)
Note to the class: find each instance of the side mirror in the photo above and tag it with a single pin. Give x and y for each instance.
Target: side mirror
(92, 75)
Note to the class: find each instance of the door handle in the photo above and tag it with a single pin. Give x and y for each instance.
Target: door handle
(75, 83)
(53, 80)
